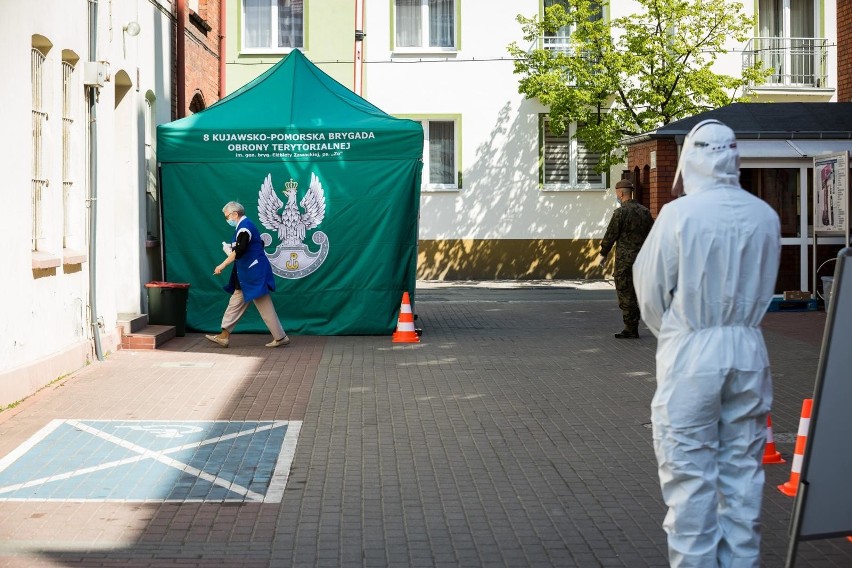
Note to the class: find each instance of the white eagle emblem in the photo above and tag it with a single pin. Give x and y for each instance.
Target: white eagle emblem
(291, 225)
(292, 258)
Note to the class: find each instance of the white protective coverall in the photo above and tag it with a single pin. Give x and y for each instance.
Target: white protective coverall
(704, 279)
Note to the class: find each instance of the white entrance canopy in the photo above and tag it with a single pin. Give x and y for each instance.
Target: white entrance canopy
(781, 149)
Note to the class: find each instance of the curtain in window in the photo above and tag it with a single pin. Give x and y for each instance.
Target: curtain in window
(770, 50)
(290, 23)
(441, 152)
(441, 23)
(258, 23)
(802, 18)
(789, 53)
(408, 23)
(769, 16)
(802, 47)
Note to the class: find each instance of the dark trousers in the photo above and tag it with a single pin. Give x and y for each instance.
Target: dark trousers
(627, 296)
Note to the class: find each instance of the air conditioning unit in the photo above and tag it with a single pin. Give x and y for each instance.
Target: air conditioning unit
(95, 73)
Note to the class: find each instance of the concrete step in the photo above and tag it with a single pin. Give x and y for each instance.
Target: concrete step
(131, 323)
(150, 337)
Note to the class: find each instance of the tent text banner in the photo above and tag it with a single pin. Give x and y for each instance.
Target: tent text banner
(289, 145)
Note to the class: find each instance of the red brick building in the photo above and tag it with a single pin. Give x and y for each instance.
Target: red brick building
(652, 166)
(844, 51)
(199, 45)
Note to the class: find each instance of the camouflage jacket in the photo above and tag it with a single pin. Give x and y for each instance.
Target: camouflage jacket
(629, 226)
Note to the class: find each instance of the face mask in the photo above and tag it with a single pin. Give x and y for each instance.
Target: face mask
(232, 222)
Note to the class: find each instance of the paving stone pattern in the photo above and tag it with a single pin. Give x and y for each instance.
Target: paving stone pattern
(515, 434)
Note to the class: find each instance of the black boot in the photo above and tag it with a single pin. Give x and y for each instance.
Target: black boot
(632, 333)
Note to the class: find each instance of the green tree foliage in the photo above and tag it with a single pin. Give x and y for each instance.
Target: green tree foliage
(629, 75)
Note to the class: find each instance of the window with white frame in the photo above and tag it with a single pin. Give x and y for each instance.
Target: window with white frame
(567, 164)
(425, 24)
(39, 115)
(273, 25)
(788, 42)
(439, 154)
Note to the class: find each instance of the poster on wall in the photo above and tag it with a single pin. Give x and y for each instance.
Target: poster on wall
(831, 175)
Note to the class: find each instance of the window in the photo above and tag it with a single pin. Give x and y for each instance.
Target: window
(780, 188)
(197, 103)
(67, 158)
(39, 182)
(425, 24)
(567, 164)
(439, 155)
(273, 25)
(788, 42)
(558, 40)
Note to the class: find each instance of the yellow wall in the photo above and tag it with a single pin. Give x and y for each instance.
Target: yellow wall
(329, 44)
(509, 259)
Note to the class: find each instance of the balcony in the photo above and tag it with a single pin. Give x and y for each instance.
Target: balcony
(797, 63)
(559, 43)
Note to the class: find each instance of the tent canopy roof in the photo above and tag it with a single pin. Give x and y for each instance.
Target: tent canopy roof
(295, 97)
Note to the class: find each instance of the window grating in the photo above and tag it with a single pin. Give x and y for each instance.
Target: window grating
(67, 129)
(39, 183)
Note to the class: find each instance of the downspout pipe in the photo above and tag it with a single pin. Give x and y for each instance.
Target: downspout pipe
(92, 95)
(180, 58)
(222, 28)
(359, 47)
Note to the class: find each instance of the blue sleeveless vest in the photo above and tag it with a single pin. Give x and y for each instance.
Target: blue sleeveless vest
(253, 268)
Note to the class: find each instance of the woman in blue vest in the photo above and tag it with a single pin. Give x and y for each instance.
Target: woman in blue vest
(251, 278)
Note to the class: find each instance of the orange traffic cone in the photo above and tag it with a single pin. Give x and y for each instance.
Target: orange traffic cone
(770, 454)
(792, 486)
(405, 332)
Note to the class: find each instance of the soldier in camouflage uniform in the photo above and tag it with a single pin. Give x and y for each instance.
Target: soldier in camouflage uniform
(629, 226)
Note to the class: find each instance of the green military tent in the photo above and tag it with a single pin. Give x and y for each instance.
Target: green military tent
(332, 183)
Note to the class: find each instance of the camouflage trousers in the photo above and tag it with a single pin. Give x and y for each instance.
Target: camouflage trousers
(627, 296)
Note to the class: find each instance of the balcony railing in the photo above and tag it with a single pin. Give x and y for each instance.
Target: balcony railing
(797, 62)
(557, 43)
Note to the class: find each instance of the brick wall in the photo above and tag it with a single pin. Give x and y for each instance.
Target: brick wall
(655, 184)
(844, 50)
(201, 53)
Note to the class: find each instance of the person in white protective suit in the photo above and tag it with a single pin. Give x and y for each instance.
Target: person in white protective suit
(704, 279)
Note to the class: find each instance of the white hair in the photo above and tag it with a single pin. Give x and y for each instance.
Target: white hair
(234, 207)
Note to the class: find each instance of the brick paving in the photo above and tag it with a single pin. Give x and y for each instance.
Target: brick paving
(515, 434)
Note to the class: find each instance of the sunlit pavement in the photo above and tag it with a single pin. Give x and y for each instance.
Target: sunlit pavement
(516, 433)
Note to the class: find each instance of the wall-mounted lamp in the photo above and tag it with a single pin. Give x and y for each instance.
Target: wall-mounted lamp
(132, 29)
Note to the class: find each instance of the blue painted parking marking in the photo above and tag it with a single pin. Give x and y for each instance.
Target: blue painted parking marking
(152, 460)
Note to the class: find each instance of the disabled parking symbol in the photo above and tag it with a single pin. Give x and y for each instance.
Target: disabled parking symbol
(149, 460)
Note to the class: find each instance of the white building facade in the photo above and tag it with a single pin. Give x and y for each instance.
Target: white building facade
(503, 198)
(87, 83)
